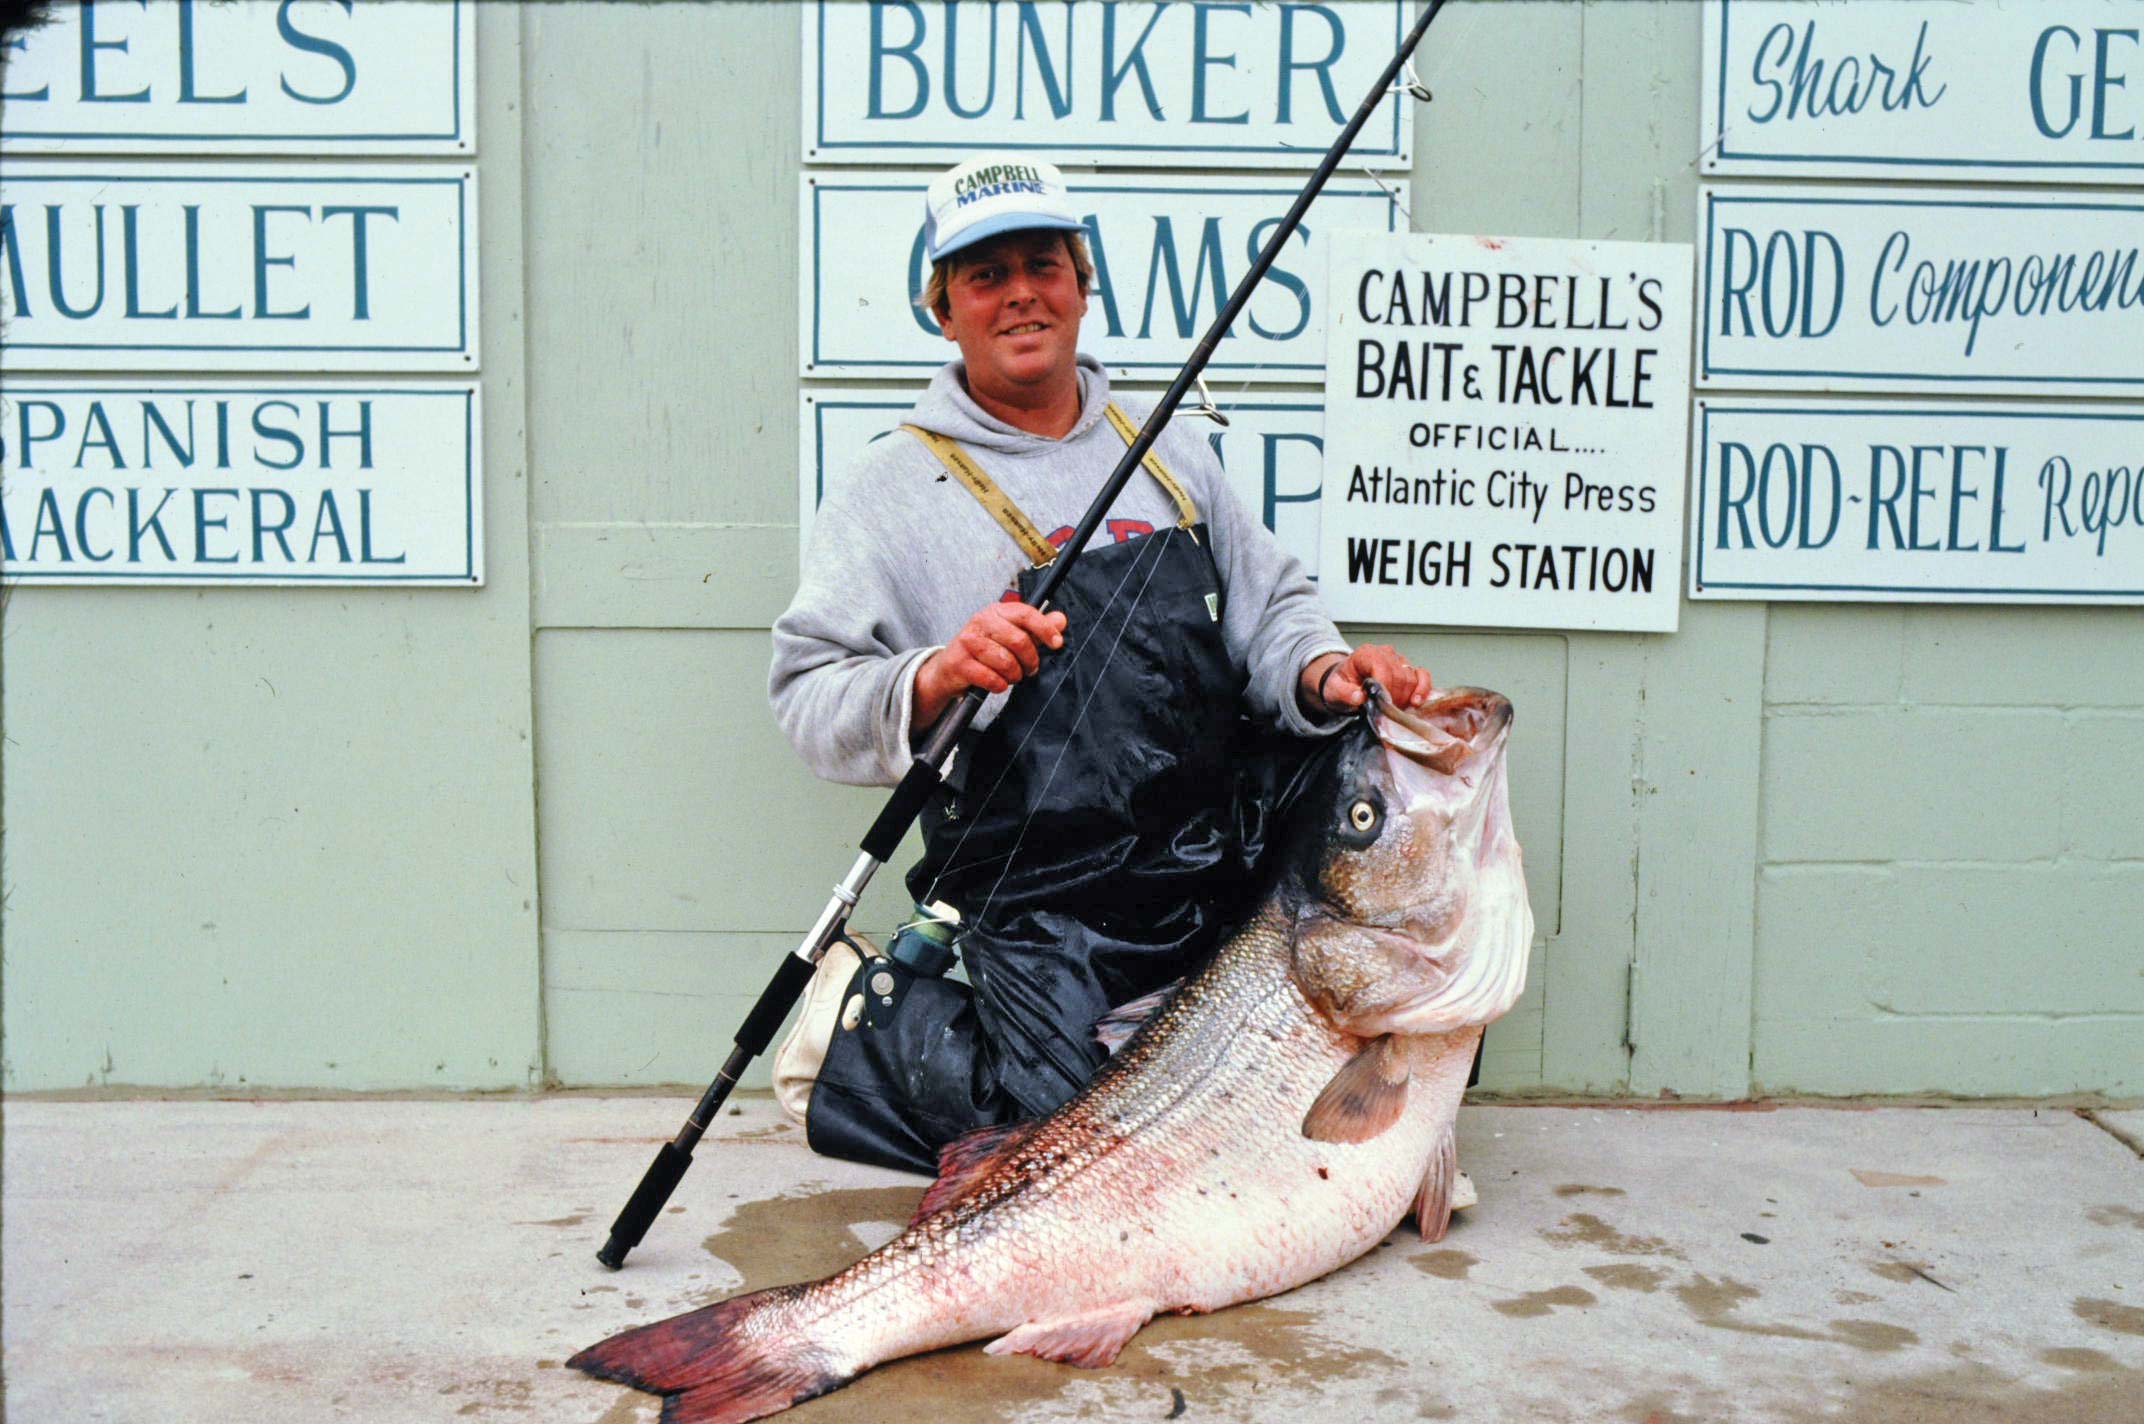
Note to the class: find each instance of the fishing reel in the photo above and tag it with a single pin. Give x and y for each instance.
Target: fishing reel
(924, 948)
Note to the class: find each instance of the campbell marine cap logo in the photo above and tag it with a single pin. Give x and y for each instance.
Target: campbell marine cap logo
(993, 194)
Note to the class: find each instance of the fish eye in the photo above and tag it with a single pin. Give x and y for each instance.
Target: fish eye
(1362, 815)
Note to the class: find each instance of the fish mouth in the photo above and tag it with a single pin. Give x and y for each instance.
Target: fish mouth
(1458, 726)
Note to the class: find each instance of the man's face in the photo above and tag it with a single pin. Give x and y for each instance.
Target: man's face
(1014, 305)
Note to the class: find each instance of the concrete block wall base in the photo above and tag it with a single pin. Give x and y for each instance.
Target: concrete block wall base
(246, 1262)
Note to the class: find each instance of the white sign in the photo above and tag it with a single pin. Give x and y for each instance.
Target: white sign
(1506, 447)
(2032, 91)
(113, 265)
(1167, 253)
(254, 76)
(197, 482)
(1966, 290)
(1901, 502)
(1199, 85)
(1272, 449)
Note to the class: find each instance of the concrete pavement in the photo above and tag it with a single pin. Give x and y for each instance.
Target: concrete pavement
(243, 1262)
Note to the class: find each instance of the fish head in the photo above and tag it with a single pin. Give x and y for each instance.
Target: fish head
(1409, 893)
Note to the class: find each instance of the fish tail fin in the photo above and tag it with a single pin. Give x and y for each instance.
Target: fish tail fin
(720, 1364)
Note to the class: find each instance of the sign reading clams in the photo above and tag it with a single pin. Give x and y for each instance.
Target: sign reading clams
(1236, 85)
(1507, 432)
(2047, 90)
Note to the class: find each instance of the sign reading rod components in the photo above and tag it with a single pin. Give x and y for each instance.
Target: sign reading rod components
(185, 266)
(1875, 289)
(301, 77)
(198, 482)
(1506, 431)
(2041, 91)
(1907, 502)
(1203, 85)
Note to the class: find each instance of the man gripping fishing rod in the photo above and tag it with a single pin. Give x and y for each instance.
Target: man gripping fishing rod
(1097, 831)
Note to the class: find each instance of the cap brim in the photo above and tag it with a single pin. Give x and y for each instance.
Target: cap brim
(1000, 225)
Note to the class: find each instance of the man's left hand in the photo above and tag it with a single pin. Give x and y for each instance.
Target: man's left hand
(1334, 683)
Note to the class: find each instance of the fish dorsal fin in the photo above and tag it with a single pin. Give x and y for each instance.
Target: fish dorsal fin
(1364, 1098)
(966, 1160)
(1433, 1203)
(1115, 1028)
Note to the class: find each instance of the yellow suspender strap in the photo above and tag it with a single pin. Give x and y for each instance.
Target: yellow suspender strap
(1022, 529)
(1186, 513)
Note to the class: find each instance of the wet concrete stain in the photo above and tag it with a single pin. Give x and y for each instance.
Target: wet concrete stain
(1445, 1265)
(1975, 1394)
(1236, 1351)
(1580, 1189)
(632, 1407)
(2115, 1216)
(1629, 1275)
(1908, 1272)
(2109, 1315)
(1894, 1179)
(2088, 1361)
(773, 1133)
(574, 1220)
(1535, 1304)
(1846, 1297)
(1585, 1229)
(806, 1236)
(1875, 1336)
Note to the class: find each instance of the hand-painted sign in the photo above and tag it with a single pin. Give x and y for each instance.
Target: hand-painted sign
(1271, 447)
(2051, 90)
(108, 265)
(1167, 253)
(197, 482)
(1844, 289)
(1907, 502)
(1233, 85)
(1506, 442)
(304, 76)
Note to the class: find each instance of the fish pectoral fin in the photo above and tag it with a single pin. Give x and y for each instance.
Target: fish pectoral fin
(1364, 1098)
(1433, 1202)
(966, 1160)
(1089, 1340)
(1115, 1028)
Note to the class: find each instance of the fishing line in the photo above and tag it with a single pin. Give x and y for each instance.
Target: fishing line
(953, 861)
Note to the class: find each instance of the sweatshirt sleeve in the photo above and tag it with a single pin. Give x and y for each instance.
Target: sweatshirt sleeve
(842, 682)
(1274, 623)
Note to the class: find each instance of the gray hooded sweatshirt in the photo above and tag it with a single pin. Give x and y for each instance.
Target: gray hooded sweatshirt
(902, 556)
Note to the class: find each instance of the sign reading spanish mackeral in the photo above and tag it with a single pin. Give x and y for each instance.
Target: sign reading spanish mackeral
(254, 76)
(1903, 501)
(1505, 433)
(2031, 91)
(1271, 448)
(1957, 290)
(1183, 85)
(197, 482)
(107, 265)
(1167, 253)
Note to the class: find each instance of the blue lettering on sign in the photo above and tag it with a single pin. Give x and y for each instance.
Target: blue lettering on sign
(2103, 76)
(99, 47)
(1852, 88)
(1202, 60)
(1788, 278)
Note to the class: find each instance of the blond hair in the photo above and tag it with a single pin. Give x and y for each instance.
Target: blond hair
(933, 296)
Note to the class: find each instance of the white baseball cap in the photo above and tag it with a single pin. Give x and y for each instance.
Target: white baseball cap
(990, 194)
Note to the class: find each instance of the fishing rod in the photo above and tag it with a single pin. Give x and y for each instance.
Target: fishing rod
(925, 772)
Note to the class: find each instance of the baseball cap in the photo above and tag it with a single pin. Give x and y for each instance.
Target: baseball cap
(990, 194)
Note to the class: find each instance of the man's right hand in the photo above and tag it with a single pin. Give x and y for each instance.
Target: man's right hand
(1000, 645)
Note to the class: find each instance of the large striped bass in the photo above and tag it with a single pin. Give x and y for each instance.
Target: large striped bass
(1274, 1118)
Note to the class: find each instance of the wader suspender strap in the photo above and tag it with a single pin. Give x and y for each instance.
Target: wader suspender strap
(1186, 513)
(1009, 516)
(1022, 529)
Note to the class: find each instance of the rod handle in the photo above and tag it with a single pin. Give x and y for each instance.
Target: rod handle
(775, 1000)
(655, 1187)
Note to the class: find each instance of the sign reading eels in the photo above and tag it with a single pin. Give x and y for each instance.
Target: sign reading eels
(214, 482)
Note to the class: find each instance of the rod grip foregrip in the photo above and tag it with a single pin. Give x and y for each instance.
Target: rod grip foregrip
(774, 1003)
(900, 812)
